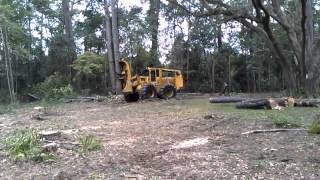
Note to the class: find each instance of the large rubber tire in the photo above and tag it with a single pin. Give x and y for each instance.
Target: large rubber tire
(148, 91)
(132, 97)
(167, 92)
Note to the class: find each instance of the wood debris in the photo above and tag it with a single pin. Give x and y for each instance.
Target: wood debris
(270, 130)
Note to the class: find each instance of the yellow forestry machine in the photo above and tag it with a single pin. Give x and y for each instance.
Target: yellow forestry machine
(154, 82)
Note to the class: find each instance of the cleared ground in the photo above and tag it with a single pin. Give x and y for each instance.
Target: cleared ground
(168, 140)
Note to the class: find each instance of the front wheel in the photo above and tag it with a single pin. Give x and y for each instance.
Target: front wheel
(132, 97)
(148, 91)
(167, 92)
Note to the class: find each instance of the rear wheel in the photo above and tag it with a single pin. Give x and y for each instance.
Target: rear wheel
(167, 92)
(132, 97)
(148, 91)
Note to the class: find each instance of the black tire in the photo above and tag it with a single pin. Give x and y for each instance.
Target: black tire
(167, 92)
(148, 91)
(132, 97)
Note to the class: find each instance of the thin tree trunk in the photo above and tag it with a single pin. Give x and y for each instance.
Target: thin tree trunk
(115, 36)
(213, 74)
(7, 59)
(108, 37)
(229, 75)
(30, 74)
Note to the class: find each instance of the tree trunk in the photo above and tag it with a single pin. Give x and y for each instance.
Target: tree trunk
(67, 20)
(213, 74)
(311, 84)
(229, 75)
(219, 38)
(115, 36)
(108, 37)
(154, 24)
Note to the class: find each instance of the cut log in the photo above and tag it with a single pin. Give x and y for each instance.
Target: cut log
(33, 97)
(307, 103)
(270, 130)
(226, 99)
(258, 104)
(50, 135)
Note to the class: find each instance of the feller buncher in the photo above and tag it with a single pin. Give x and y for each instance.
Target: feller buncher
(154, 82)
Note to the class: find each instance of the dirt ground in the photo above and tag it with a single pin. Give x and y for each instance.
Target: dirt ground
(164, 140)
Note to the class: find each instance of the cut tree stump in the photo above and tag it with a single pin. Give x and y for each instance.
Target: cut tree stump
(285, 102)
(226, 99)
(50, 147)
(258, 104)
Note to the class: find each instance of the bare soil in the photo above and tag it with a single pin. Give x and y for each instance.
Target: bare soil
(163, 140)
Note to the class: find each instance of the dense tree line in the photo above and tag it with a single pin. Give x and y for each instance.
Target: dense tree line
(75, 45)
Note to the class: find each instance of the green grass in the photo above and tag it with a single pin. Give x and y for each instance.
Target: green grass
(89, 143)
(314, 128)
(288, 117)
(8, 108)
(25, 144)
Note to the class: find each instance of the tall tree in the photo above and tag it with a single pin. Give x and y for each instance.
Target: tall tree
(154, 11)
(108, 37)
(263, 18)
(115, 37)
(67, 21)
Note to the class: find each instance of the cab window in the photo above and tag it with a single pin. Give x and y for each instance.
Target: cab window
(153, 75)
(168, 73)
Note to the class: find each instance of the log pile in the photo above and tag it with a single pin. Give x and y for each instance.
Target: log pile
(271, 103)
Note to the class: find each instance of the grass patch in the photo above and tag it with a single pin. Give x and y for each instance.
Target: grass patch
(8, 108)
(25, 145)
(314, 128)
(89, 143)
(282, 120)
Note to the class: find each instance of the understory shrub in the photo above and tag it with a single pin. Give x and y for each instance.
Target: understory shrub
(54, 87)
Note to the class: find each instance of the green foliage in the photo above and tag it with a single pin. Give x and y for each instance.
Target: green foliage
(8, 108)
(89, 143)
(25, 145)
(89, 64)
(54, 87)
(314, 128)
(283, 120)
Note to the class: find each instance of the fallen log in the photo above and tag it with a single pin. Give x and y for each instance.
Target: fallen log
(80, 99)
(307, 103)
(270, 130)
(258, 104)
(226, 99)
(33, 97)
